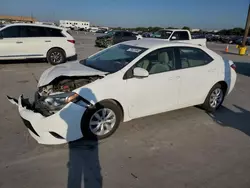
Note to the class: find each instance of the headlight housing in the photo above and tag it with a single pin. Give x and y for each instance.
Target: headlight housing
(58, 101)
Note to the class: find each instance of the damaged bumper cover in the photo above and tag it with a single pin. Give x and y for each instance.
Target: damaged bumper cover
(61, 127)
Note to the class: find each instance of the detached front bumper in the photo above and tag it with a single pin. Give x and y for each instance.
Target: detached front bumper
(62, 127)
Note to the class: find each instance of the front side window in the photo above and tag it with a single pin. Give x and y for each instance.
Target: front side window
(118, 34)
(113, 59)
(11, 32)
(162, 60)
(127, 34)
(193, 57)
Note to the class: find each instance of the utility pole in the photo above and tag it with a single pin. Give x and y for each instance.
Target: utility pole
(247, 27)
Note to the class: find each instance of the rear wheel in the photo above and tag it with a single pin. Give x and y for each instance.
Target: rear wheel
(214, 98)
(101, 121)
(56, 56)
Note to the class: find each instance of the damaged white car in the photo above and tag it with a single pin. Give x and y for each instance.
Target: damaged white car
(90, 98)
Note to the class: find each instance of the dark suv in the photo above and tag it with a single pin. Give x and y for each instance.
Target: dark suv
(114, 37)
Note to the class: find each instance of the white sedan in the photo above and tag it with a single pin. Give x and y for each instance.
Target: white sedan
(89, 98)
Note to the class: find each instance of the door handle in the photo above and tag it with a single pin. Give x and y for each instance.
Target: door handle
(171, 78)
(48, 41)
(178, 77)
(19, 42)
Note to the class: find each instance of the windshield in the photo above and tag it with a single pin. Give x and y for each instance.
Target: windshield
(163, 34)
(2, 26)
(111, 33)
(113, 59)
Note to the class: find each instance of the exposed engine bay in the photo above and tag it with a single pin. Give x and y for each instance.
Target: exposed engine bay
(66, 84)
(51, 98)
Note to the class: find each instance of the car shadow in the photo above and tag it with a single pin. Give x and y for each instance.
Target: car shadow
(243, 68)
(19, 61)
(238, 120)
(31, 61)
(83, 164)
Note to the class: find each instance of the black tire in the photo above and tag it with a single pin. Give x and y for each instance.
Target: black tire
(85, 123)
(206, 105)
(58, 53)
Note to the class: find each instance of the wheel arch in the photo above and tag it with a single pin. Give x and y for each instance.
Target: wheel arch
(224, 86)
(52, 48)
(117, 103)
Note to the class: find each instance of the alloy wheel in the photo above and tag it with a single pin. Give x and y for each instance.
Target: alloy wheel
(216, 98)
(102, 122)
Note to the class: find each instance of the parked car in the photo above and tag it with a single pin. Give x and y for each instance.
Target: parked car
(89, 98)
(213, 38)
(24, 41)
(101, 31)
(240, 40)
(114, 37)
(146, 35)
(178, 35)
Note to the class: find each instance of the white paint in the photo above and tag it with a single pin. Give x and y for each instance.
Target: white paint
(66, 123)
(74, 24)
(138, 97)
(34, 47)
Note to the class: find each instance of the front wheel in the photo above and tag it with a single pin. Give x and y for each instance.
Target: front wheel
(56, 56)
(101, 121)
(214, 98)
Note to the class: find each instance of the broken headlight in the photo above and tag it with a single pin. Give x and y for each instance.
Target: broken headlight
(58, 101)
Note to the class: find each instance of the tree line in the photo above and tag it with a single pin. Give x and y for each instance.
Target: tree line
(235, 31)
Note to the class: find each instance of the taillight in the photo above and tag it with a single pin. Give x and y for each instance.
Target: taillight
(72, 41)
(233, 66)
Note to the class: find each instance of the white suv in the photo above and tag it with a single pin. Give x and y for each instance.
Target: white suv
(23, 41)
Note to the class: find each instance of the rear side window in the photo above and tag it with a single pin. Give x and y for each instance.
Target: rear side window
(11, 32)
(32, 31)
(51, 32)
(181, 35)
(193, 57)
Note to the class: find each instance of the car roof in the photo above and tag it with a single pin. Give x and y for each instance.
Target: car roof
(156, 43)
(173, 30)
(33, 24)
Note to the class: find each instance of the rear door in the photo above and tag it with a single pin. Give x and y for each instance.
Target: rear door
(34, 39)
(198, 75)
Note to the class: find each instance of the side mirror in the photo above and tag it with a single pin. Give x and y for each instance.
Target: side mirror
(140, 72)
(173, 38)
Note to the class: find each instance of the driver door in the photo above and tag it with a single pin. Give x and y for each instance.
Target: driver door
(159, 92)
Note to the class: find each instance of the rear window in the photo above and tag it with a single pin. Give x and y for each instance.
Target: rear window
(51, 32)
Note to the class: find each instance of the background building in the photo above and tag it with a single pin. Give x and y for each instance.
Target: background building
(74, 24)
(14, 19)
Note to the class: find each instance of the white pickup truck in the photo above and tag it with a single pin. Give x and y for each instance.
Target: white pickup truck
(178, 35)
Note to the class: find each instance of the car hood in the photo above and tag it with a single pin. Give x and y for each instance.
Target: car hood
(67, 69)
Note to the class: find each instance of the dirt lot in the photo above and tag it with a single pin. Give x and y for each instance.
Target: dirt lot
(183, 148)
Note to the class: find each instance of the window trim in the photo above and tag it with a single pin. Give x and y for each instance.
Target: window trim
(178, 58)
(128, 75)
